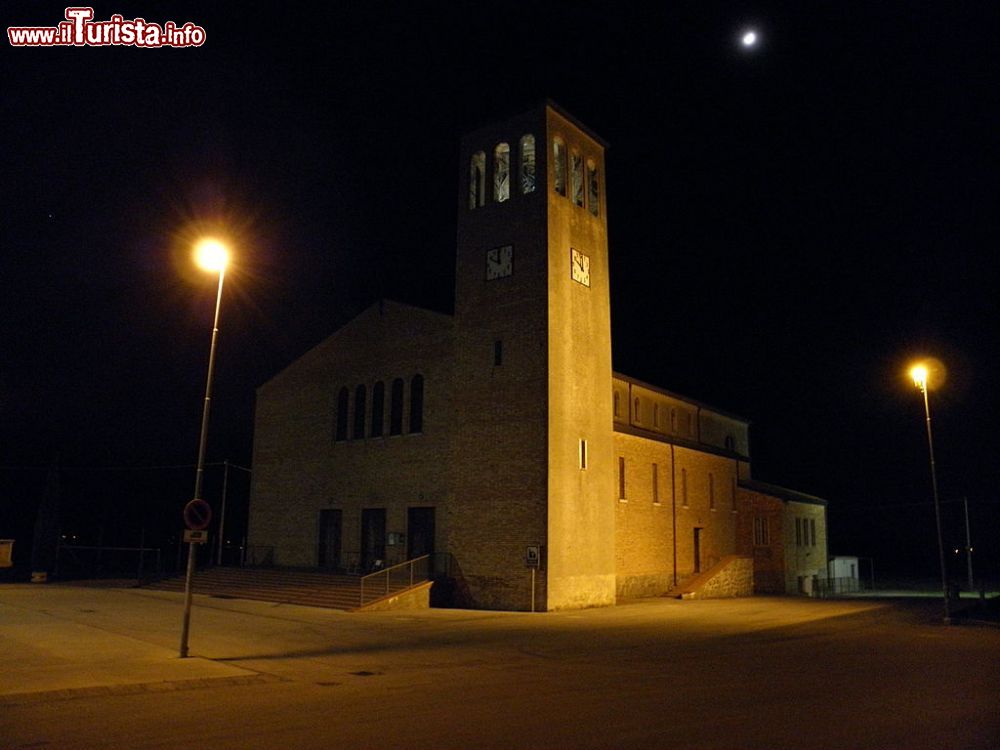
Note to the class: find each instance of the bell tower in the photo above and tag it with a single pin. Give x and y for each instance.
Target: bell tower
(533, 462)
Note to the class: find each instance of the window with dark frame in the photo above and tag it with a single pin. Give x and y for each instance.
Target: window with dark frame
(593, 189)
(621, 477)
(477, 179)
(359, 413)
(576, 178)
(378, 409)
(527, 164)
(396, 407)
(761, 532)
(501, 173)
(559, 166)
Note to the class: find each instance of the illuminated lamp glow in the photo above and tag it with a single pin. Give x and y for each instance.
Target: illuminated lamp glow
(211, 254)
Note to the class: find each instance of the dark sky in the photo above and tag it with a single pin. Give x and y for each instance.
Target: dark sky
(788, 226)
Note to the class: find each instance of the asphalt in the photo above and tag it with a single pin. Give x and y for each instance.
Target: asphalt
(62, 641)
(89, 667)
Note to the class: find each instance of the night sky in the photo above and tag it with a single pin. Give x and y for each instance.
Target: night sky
(789, 226)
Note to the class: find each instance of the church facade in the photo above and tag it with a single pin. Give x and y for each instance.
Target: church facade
(500, 438)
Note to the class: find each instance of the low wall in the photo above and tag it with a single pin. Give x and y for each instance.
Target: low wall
(732, 576)
(418, 597)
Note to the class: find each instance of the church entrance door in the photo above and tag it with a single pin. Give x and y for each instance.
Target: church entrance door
(330, 525)
(419, 532)
(372, 538)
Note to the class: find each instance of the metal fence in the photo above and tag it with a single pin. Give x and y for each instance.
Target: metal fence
(396, 578)
(837, 586)
(77, 562)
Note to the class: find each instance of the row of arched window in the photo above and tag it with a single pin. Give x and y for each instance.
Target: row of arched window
(581, 191)
(367, 418)
(686, 422)
(574, 178)
(501, 172)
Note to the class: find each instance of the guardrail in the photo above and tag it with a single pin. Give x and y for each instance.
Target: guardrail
(395, 578)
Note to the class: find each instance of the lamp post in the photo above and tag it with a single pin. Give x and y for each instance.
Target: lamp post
(919, 375)
(213, 256)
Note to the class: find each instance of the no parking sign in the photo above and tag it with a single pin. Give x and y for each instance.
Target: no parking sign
(197, 514)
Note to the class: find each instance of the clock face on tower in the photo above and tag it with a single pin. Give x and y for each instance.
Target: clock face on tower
(580, 267)
(499, 262)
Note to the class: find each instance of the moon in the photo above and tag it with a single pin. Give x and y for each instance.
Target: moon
(748, 38)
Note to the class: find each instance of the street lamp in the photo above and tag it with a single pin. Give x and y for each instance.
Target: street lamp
(919, 374)
(212, 255)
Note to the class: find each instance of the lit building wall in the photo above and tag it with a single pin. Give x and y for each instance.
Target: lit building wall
(300, 467)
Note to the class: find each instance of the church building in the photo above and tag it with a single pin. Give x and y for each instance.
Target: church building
(500, 440)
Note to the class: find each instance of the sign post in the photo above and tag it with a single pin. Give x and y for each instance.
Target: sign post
(197, 517)
(532, 558)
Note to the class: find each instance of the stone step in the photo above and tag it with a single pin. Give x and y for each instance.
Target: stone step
(307, 588)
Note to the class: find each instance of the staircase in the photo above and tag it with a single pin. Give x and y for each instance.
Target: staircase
(731, 576)
(309, 588)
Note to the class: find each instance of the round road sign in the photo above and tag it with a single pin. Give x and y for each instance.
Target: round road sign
(197, 514)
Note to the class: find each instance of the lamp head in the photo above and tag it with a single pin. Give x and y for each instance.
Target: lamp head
(211, 254)
(919, 375)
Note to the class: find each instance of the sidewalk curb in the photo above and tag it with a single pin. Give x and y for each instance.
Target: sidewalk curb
(45, 696)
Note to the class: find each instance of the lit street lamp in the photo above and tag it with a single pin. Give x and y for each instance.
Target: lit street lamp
(919, 375)
(212, 256)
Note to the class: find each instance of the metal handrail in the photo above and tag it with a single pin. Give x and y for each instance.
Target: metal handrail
(387, 571)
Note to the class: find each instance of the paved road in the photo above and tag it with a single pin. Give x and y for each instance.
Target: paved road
(94, 668)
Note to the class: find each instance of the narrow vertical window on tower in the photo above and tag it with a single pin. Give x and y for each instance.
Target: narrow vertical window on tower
(396, 408)
(684, 487)
(559, 166)
(527, 164)
(378, 409)
(618, 404)
(576, 179)
(621, 477)
(501, 173)
(593, 190)
(583, 454)
(343, 398)
(417, 404)
(656, 484)
(477, 179)
(359, 412)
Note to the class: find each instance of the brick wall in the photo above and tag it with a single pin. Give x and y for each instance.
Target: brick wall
(644, 529)
(769, 558)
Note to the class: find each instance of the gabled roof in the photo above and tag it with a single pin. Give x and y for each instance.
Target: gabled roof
(782, 493)
(382, 308)
(679, 397)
